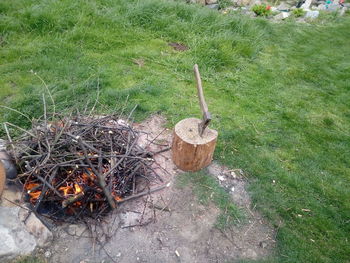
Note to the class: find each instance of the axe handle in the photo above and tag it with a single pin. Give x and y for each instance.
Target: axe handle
(202, 103)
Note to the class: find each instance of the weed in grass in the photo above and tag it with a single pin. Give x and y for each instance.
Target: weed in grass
(262, 10)
(298, 12)
(224, 3)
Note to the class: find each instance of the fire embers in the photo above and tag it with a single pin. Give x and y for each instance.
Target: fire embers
(76, 192)
(81, 167)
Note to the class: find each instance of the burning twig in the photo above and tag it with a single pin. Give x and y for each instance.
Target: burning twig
(73, 167)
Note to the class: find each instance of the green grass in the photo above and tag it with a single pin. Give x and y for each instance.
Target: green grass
(279, 94)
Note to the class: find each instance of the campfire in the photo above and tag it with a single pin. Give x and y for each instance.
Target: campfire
(72, 168)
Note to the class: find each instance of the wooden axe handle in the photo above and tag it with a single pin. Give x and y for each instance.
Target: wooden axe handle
(202, 103)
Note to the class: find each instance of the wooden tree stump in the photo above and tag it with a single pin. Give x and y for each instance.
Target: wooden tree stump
(2, 177)
(190, 151)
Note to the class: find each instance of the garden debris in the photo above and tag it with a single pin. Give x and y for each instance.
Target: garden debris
(178, 46)
(139, 61)
(82, 166)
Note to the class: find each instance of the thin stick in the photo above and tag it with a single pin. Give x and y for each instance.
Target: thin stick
(27, 132)
(152, 190)
(98, 95)
(14, 110)
(48, 91)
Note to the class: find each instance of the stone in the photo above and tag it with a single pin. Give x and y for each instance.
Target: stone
(34, 226)
(263, 244)
(255, 2)
(306, 5)
(248, 12)
(283, 7)
(15, 240)
(213, 6)
(202, 2)
(211, 2)
(332, 7)
(250, 254)
(243, 2)
(343, 11)
(281, 16)
(48, 254)
(321, 7)
(312, 14)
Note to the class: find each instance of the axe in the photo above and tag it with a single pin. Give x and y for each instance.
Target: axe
(206, 117)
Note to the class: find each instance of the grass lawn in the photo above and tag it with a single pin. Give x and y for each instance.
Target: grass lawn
(279, 94)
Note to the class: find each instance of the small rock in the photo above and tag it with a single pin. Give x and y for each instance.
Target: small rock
(48, 254)
(312, 14)
(119, 255)
(343, 11)
(202, 2)
(34, 226)
(243, 2)
(213, 6)
(281, 16)
(248, 13)
(211, 2)
(221, 178)
(321, 7)
(306, 4)
(232, 189)
(332, 7)
(283, 7)
(250, 254)
(263, 244)
(255, 2)
(233, 174)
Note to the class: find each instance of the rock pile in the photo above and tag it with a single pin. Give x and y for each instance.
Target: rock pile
(309, 9)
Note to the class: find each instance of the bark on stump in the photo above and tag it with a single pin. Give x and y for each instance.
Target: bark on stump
(190, 151)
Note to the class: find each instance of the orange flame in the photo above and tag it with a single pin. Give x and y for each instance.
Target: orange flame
(34, 195)
(66, 190)
(29, 186)
(77, 188)
(116, 197)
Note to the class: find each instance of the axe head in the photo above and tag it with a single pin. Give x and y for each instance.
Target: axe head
(205, 122)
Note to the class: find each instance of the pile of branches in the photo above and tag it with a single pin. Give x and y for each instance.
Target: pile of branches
(80, 166)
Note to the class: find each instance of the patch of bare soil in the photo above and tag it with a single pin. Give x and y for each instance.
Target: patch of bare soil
(169, 225)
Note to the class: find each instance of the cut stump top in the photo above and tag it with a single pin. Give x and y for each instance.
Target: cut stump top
(187, 130)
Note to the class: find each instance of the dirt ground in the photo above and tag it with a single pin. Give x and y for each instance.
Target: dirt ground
(174, 226)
